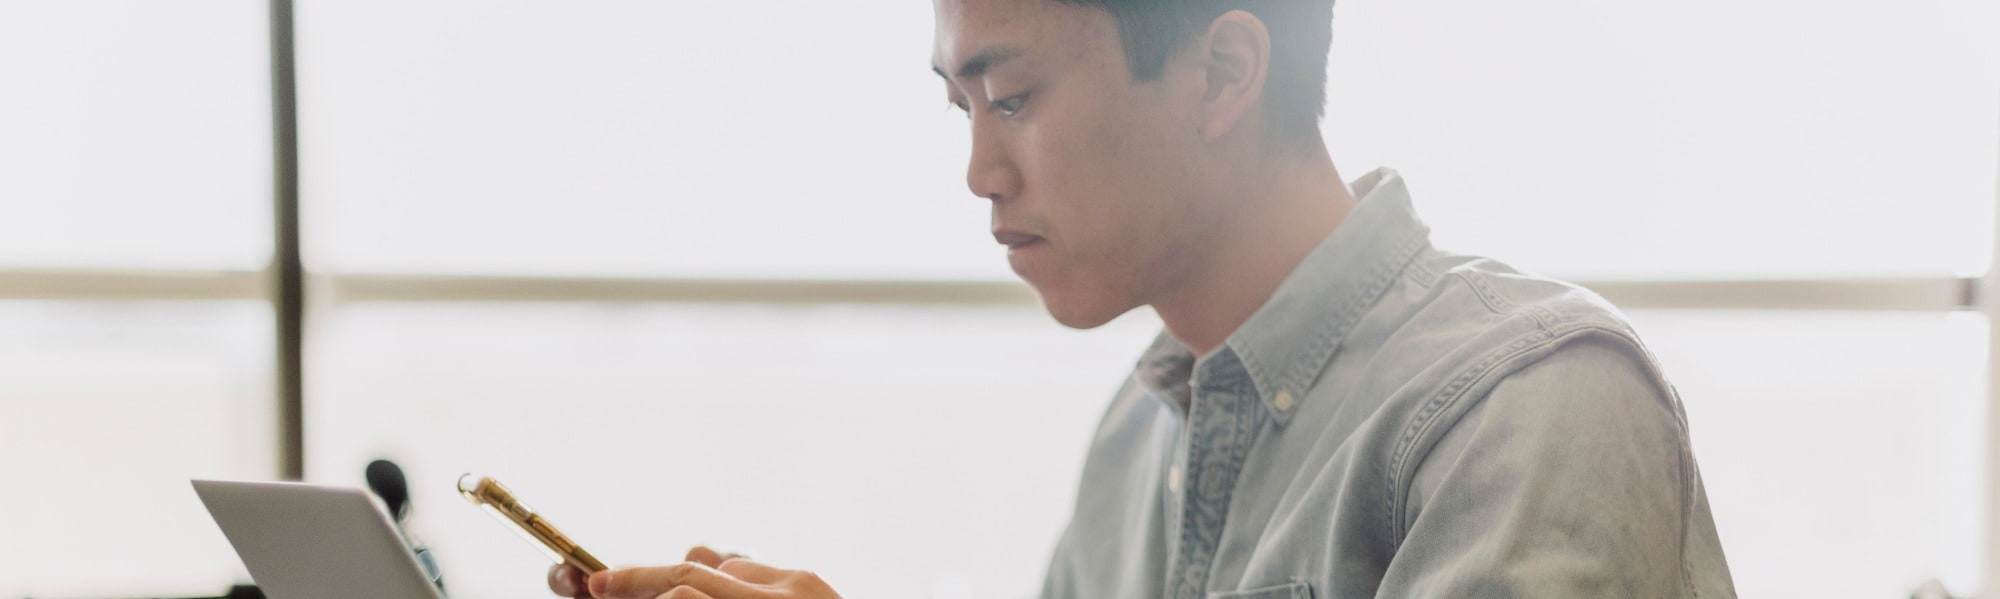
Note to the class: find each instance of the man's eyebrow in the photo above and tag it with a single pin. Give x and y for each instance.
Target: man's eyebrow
(980, 62)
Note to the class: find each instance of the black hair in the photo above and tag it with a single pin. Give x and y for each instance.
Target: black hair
(1301, 36)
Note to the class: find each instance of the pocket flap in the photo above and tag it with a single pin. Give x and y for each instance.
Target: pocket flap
(1292, 590)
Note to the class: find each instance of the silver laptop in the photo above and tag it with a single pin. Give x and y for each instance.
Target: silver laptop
(304, 541)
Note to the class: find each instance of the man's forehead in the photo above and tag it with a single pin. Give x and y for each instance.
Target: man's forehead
(964, 27)
(968, 28)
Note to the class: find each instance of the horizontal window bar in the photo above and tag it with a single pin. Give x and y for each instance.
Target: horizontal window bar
(1918, 294)
(1943, 293)
(361, 288)
(86, 284)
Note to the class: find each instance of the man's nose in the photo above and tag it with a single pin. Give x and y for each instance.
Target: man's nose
(992, 173)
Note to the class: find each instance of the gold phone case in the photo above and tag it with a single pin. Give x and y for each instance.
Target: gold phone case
(488, 493)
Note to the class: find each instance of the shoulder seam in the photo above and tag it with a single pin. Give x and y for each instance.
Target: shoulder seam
(1426, 417)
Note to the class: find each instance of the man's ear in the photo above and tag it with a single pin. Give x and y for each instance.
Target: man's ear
(1235, 55)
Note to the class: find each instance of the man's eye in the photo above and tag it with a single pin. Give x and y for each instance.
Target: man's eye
(1010, 105)
(962, 107)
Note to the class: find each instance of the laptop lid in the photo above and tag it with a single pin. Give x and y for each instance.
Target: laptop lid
(303, 541)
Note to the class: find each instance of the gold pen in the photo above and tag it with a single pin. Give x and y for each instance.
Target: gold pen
(490, 494)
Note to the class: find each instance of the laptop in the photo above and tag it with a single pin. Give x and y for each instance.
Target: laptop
(303, 541)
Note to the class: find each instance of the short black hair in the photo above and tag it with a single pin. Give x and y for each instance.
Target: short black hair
(1301, 36)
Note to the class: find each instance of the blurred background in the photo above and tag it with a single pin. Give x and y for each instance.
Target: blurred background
(689, 273)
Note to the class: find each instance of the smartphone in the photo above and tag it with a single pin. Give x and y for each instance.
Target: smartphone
(490, 494)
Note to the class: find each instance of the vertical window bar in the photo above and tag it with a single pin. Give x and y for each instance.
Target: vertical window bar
(287, 272)
(1989, 303)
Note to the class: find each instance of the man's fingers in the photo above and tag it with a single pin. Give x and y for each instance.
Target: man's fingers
(705, 556)
(567, 581)
(685, 593)
(559, 581)
(650, 583)
(751, 571)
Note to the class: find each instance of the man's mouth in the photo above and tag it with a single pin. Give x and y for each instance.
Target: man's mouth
(1015, 240)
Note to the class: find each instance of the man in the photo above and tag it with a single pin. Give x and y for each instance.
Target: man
(1336, 408)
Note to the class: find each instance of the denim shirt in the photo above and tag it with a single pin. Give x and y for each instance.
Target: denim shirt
(1396, 421)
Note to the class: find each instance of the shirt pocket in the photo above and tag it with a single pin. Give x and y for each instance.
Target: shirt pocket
(1291, 590)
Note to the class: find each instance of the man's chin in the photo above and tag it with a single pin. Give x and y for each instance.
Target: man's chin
(1081, 313)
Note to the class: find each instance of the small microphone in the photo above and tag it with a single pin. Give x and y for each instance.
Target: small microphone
(386, 480)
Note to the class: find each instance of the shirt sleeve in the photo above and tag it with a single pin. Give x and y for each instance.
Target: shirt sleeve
(1571, 479)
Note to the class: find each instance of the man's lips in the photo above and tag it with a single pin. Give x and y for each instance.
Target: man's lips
(1014, 239)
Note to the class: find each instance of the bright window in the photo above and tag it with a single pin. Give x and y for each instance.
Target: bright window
(729, 139)
(135, 134)
(109, 408)
(1833, 442)
(1703, 138)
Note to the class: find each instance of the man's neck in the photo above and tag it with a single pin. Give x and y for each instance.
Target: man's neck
(1253, 252)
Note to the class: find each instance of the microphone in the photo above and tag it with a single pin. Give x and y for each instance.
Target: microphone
(386, 480)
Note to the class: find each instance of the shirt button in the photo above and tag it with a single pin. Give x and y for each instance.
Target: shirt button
(1283, 402)
(1174, 479)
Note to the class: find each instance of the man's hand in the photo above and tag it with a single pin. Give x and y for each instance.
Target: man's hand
(705, 575)
(569, 582)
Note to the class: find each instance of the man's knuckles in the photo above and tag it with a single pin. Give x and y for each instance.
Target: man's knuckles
(704, 555)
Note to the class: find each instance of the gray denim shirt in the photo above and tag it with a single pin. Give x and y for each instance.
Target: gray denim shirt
(1397, 421)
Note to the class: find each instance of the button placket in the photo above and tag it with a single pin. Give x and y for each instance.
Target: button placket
(1221, 425)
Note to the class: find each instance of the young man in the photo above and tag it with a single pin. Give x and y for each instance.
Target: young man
(1336, 408)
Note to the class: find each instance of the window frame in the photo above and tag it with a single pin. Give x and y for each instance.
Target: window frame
(294, 292)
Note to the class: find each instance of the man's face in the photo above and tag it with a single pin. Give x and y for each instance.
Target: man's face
(1092, 175)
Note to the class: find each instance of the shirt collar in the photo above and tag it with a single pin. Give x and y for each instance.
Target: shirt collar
(1167, 370)
(1287, 342)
